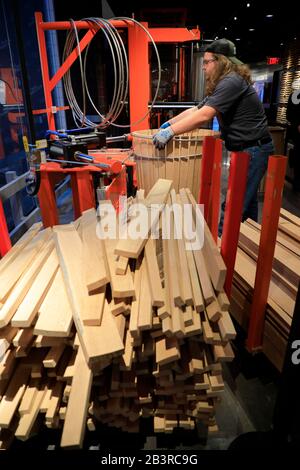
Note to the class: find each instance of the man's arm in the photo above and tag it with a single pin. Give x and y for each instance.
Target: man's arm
(188, 123)
(193, 120)
(184, 114)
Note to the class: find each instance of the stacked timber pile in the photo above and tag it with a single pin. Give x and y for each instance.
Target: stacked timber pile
(283, 287)
(111, 330)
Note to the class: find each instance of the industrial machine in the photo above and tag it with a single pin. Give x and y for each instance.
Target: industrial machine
(97, 172)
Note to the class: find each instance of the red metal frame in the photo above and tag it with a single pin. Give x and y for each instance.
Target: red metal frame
(270, 217)
(237, 181)
(139, 83)
(82, 184)
(5, 243)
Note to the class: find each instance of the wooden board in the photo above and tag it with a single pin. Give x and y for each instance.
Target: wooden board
(75, 420)
(23, 284)
(157, 294)
(213, 260)
(157, 195)
(96, 341)
(30, 305)
(13, 395)
(95, 271)
(10, 275)
(55, 318)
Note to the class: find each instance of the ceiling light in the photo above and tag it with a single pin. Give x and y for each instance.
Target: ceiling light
(238, 39)
(225, 28)
(248, 5)
(281, 43)
(217, 37)
(251, 29)
(269, 16)
(235, 18)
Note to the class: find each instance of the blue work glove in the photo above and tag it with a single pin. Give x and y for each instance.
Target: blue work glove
(165, 125)
(161, 139)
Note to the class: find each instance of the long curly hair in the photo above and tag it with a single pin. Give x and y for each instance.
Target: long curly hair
(224, 67)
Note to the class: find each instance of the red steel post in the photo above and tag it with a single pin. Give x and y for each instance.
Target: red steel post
(270, 217)
(5, 243)
(237, 181)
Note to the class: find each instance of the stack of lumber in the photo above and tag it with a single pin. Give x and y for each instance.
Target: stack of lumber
(283, 286)
(111, 330)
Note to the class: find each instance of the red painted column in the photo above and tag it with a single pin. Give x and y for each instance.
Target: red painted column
(139, 80)
(82, 190)
(208, 155)
(47, 200)
(5, 243)
(45, 69)
(237, 181)
(214, 204)
(270, 217)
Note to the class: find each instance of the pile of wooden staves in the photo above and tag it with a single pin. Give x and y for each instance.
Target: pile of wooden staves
(111, 330)
(283, 287)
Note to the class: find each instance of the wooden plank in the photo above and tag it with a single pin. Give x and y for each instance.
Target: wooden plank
(96, 341)
(157, 195)
(6, 336)
(213, 311)
(19, 246)
(13, 395)
(55, 400)
(7, 365)
(286, 263)
(172, 257)
(226, 327)
(166, 350)
(290, 229)
(121, 265)
(196, 289)
(53, 356)
(28, 397)
(23, 284)
(75, 420)
(290, 217)
(196, 327)
(223, 301)
(206, 286)
(156, 290)
(55, 318)
(95, 269)
(11, 274)
(133, 322)
(93, 308)
(145, 315)
(121, 285)
(213, 260)
(117, 308)
(30, 305)
(27, 421)
(23, 338)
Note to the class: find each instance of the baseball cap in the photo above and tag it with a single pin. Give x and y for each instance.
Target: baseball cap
(224, 47)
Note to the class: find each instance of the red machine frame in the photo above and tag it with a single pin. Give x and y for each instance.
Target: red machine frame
(139, 92)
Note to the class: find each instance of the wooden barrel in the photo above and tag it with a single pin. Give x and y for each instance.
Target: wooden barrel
(179, 161)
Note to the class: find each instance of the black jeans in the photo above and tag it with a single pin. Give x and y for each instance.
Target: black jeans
(258, 164)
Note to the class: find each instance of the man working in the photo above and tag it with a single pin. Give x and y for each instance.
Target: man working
(243, 124)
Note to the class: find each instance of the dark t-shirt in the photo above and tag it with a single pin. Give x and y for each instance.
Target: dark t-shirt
(239, 111)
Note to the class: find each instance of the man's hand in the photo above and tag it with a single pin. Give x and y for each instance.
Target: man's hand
(161, 139)
(165, 125)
